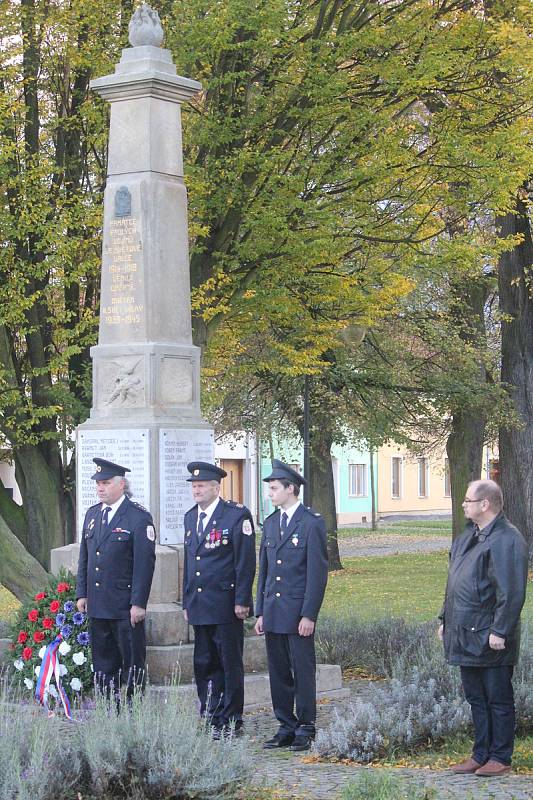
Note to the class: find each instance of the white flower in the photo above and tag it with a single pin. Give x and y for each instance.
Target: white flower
(52, 690)
(42, 651)
(64, 648)
(75, 684)
(79, 658)
(28, 684)
(62, 670)
(18, 664)
(37, 671)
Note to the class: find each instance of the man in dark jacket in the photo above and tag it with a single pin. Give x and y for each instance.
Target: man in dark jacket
(218, 573)
(115, 569)
(480, 626)
(293, 572)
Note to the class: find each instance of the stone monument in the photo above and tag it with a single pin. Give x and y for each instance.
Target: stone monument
(146, 371)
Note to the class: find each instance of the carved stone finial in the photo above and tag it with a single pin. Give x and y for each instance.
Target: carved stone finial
(145, 27)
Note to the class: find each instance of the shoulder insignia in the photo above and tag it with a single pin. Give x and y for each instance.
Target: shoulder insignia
(150, 533)
(247, 528)
(139, 506)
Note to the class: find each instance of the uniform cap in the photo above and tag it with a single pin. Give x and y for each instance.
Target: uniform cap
(106, 469)
(282, 472)
(203, 471)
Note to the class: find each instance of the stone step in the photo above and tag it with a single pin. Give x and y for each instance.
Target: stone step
(164, 662)
(257, 688)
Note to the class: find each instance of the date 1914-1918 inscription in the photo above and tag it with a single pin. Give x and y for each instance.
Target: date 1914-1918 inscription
(124, 304)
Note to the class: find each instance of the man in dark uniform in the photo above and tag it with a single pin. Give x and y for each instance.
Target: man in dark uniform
(218, 574)
(115, 569)
(293, 572)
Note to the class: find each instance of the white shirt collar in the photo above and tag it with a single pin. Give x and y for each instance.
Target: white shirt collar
(291, 511)
(209, 511)
(113, 507)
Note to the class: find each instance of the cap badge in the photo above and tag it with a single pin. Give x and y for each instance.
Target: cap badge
(98, 468)
(196, 472)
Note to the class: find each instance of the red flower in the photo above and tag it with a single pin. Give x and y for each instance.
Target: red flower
(22, 637)
(33, 615)
(48, 623)
(27, 653)
(62, 587)
(38, 636)
(40, 596)
(55, 606)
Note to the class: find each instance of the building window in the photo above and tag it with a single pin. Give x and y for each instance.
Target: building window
(447, 485)
(423, 477)
(357, 477)
(396, 476)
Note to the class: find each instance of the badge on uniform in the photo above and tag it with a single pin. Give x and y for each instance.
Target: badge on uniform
(294, 540)
(188, 533)
(150, 533)
(225, 534)
(91, 525)
(247, 527)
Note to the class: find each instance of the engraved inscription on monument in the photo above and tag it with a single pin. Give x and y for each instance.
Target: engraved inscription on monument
(129, 448)
(123, 202)
(125, 305)
(178, 446)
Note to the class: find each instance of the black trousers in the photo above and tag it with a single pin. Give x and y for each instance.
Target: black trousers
(489, 691)
(292, 673)
(119, 653)
(219, 671)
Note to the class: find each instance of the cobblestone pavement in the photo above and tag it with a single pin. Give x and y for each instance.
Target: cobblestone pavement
(301, 780)
(388, 544)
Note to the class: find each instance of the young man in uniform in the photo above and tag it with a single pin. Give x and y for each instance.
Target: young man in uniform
(293, 572)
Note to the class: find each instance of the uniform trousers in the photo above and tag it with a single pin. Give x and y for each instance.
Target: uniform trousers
(292, 674)
(219, 671)
(489, 691)
(119, 653)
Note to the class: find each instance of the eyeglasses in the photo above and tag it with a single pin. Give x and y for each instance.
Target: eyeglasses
(479, 500)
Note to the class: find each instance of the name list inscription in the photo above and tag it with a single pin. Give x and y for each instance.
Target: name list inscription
(127, 448)
(177, 447)
(124, 303)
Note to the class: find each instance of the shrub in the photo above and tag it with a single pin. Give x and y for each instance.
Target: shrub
(523, 683)
(152, 749)
(374, 646)
(383, 786)
(52, 612)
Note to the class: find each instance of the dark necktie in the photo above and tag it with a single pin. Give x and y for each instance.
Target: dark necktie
(200, 529)
(105, 516)
(283, 525)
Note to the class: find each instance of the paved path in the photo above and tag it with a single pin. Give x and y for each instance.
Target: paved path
(388, 544)
(301, 779)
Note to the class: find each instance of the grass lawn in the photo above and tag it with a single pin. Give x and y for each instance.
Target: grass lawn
(418, 527)
(459, 748)
(408, 585)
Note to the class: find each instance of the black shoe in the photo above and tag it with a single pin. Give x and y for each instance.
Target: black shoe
(300, 744)
(279, 740)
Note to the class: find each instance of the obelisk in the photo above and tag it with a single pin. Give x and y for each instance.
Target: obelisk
(146, 371)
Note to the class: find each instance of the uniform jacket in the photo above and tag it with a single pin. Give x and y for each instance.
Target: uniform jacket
(485, 593)
(219, 569)
(293, 571)
(116, 563)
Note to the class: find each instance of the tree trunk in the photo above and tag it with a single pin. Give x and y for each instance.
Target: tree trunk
(516, 302)
(322, 487)
(374, 510)
(19, 571)
(48, 508)
(467, 438)
(465, 456)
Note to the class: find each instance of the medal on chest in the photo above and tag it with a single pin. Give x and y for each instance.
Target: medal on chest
(294, 539)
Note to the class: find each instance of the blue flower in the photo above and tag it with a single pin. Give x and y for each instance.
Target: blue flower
(60, 620)
(66, 631)
(83, 638)
(78, 618)
(69, 606)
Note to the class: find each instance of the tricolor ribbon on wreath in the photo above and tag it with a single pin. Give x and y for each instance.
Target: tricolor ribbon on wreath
(50, 666)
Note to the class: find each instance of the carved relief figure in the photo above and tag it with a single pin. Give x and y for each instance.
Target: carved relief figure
(128, 389)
